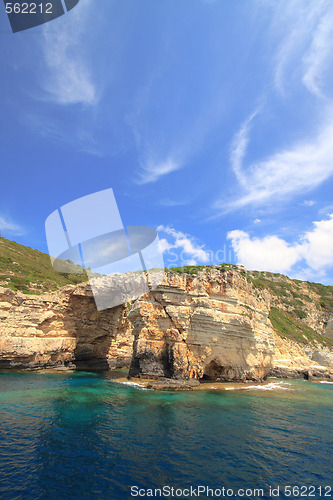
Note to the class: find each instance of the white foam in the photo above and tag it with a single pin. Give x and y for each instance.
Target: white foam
(325, 382)
(267, 387)
(131, 384)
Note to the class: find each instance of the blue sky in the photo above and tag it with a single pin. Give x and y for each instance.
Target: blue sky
(210, 119)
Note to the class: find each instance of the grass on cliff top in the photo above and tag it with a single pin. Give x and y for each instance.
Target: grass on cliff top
(30, 271)
(192, 270)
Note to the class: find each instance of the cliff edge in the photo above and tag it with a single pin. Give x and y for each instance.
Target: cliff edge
(213, 323)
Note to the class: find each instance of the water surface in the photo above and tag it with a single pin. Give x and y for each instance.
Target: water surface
(84, 436)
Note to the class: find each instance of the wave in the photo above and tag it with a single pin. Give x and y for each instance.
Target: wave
(284, 386)
(131, 384)
(325, 382)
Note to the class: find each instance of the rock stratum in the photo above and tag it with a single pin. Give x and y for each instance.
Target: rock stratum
(217, 323)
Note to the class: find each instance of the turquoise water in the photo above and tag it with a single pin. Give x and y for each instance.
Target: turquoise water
(83, 436)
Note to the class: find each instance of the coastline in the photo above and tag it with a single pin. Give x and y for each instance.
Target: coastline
(120, 376)
(188, 385)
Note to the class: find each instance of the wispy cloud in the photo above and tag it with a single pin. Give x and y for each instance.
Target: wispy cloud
(68, 78)
(302, 58)
(306, 34)
(9, 226)
(178, 105)
(153, 170)
(318, 60)
(300, 168)
(239, 147)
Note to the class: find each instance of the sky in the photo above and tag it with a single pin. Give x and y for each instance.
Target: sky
(211, 120)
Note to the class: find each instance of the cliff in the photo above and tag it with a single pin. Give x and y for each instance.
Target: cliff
(214, 323)
(205, 326)
(62, 330)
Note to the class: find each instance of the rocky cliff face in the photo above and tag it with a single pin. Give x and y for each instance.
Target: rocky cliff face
(215, 325)
(207, 326)
(62, 330)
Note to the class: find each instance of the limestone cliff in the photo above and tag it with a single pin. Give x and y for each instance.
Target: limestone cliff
(219, 323)
(62, 329)
(205, 326)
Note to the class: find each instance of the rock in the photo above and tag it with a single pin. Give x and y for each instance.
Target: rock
(211, 326)
(208, 326)
(62, 329)
(168, 384)
(293, 360)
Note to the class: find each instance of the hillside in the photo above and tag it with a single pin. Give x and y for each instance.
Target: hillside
(30, 271)
(299, 310)
(216, 323)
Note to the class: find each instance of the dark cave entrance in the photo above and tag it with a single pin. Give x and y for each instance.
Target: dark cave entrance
(213, 371)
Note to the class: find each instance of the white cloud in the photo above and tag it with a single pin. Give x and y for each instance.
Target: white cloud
(191, 253)
(164, 245)
(270, 253)
(68, 78)
(299, 168)
(7, 225)
(310, 257)
(318, 244)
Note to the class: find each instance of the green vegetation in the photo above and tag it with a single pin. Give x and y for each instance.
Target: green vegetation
(287, 326)
(187, 269)
(326, 295)
(30, 271)
(192, 270)
(290, 299)
(269, 281)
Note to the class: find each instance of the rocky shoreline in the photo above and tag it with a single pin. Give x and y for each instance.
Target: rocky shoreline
(212, 327)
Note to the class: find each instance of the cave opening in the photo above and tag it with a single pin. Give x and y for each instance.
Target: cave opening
(213, 371)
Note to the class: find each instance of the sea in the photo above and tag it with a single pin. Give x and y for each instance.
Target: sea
(87, 436)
